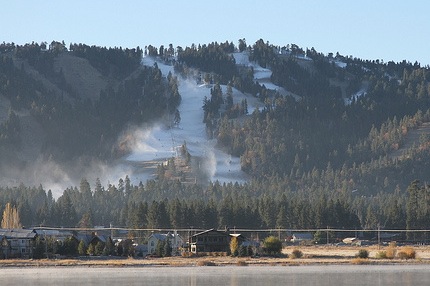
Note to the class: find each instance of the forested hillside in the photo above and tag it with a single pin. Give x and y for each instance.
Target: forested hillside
(332, 146)
(68, 106)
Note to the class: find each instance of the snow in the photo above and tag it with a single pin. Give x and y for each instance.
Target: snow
(358, 94)
(159, 142)
(304, 57)
(340, 64)
(262, 75)
(242, 58)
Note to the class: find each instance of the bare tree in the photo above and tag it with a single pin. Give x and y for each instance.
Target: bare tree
(10, 217)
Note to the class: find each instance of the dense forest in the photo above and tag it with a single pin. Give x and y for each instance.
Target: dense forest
(77, 126)
(338, 154)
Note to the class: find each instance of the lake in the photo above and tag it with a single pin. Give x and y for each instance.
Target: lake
(415, 275)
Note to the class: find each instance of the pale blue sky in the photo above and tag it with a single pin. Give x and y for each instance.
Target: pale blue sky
(369, 29)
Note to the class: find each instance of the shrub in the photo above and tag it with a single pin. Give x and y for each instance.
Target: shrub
(391, 252)
(187, 254)
(272, 245)
(363, 253)
(205, 263)
(296, 254)
(407, 253)
(243, 251)
(393, 244)
(381, 255)
(250, 251)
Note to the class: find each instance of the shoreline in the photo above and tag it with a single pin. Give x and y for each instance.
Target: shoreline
(312, 256)
(208, 262)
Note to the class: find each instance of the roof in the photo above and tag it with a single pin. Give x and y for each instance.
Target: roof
(211, 230)
(163, 236)
(159, 236)
(18, 233)
(238, 236)
(349, 240)
(251, 243)
(86, 238)
(53, 232)
(303, 236)
(102, 238)
(92, 238)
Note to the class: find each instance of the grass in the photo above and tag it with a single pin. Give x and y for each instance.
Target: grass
(311, 255)
(381, 254)
(360, 261)
(389, 253)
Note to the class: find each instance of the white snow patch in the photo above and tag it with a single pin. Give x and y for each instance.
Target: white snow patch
(340, 64)
(303, 57)
(261, 73)
(358, 94)
(165, 69)
(242, 58)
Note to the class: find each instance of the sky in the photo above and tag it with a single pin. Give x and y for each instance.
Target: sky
(388, 30)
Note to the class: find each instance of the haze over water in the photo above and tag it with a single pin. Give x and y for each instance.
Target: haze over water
(332, 275)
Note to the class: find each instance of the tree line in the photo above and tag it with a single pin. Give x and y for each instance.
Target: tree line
(217, 206)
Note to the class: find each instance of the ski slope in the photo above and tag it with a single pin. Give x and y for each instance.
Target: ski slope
(159, 142)
(261, 75)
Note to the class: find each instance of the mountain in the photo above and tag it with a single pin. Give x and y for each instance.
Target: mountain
(251, 134)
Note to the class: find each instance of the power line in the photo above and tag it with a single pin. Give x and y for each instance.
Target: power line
(235, 229)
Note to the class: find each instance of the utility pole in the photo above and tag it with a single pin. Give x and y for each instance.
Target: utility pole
(46, 244)
(327, 241)
(379, 236)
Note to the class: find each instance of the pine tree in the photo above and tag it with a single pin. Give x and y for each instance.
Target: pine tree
(109, 248)
(167, 251)
(98, 249)
(281, 220)
(82, 249)
(159, 249)
(91, 249)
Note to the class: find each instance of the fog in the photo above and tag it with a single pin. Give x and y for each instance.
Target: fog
(145, 146)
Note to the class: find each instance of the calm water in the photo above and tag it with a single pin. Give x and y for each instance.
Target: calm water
(415, 275)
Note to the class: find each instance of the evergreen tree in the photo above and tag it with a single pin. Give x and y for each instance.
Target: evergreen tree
(82, 249)
(98, 249)
(167, 248)
(91, 250)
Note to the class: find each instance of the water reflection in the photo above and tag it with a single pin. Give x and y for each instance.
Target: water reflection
(416, 275)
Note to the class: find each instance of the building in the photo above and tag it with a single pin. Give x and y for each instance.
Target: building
(175, 241)
(92, 238)
(302, 237)
(211, 240)
(17, 243)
